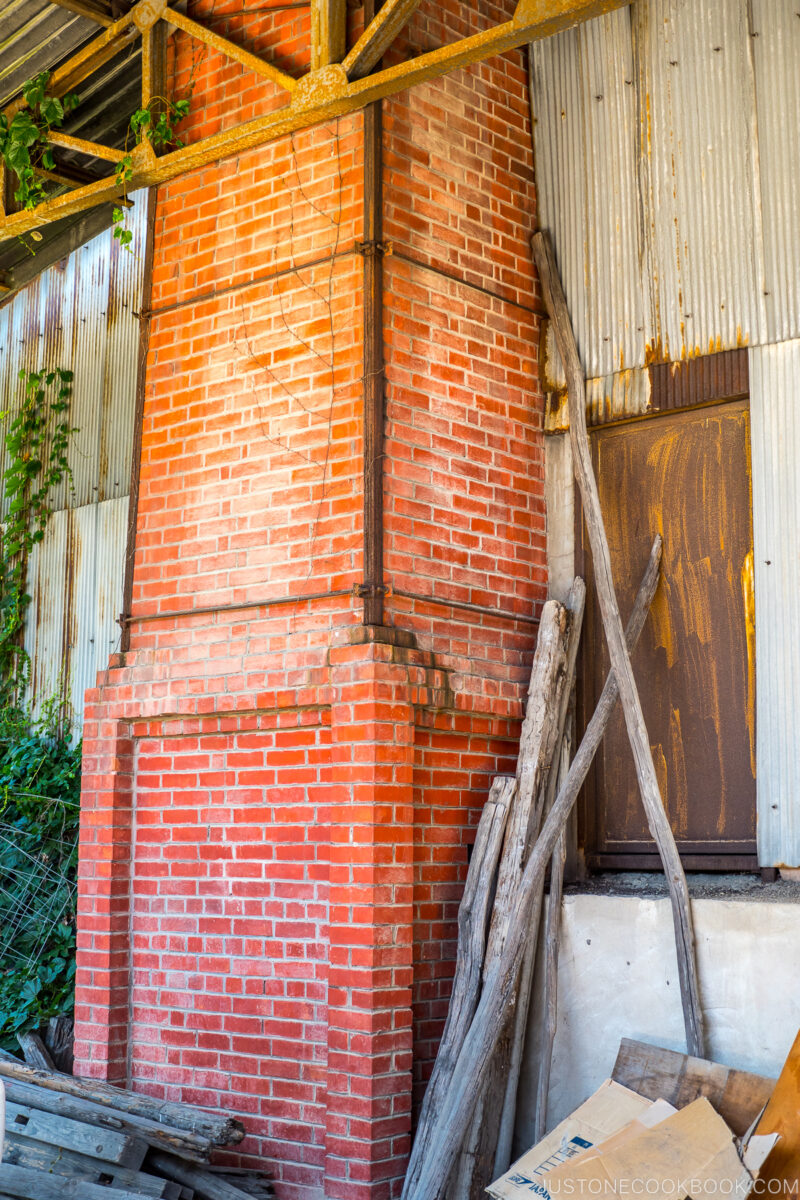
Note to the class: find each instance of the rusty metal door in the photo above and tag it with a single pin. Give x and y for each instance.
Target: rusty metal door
(687, 476)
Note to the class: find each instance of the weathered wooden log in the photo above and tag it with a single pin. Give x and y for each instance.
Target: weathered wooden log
(657, 819)
(175, 1141)
(576, 603)
(109, 1145)
(22, 1152)
(455, 1110)
(548, 695)
(27, 1184)
(206, 1184)
(217, 1129)
(538, 740)
(59, 1040)
(552, 927)
(35, 1052)
(473, 919)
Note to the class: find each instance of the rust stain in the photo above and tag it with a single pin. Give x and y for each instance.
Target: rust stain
(684, 474)
(654, 352)
(749, 598)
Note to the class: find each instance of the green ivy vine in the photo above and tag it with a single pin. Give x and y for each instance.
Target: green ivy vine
(24, 140)
(160, 131)
(36, 447)
(40, 768)
(40, 783)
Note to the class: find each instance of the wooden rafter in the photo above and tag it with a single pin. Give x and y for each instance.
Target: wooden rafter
(82, 8)
(321, 95)
(87, 60)
(328, 30)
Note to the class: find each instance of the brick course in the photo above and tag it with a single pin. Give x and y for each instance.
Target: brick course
(277, 802)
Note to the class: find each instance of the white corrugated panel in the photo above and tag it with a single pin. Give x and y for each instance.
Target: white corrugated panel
(667, 169)
(584, 100)
(775, 438)
(696, 87)
(98, 548)
(75, 578)
(81, 315)
(776, 50)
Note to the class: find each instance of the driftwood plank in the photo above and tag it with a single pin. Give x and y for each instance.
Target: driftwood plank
(35, 1052)
(105, 1144)
(217, 1129)
(656, 1073)
(455, 1110)
(657, 820)
(552, 931)
(205, 1183)
(27, 1184)
(176, 1141)
(576, 603)
(538, 738)
(22, 1152)
(548, 687)
(473, 917)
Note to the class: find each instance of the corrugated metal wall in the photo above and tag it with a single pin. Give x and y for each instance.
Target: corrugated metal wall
(81, 315)
(775, 440)
(667, 166)
(668, 171)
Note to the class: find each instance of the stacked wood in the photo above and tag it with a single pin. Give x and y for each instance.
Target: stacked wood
(476, 1077)
(69, 1137)
(475, 1028)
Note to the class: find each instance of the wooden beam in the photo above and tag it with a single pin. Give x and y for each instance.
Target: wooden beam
(321, 96)
(378, 37)
(657, 819)
(90, 11)
(251, 61)
(328, 29)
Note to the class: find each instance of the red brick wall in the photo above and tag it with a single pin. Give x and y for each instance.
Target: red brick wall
(278, 802)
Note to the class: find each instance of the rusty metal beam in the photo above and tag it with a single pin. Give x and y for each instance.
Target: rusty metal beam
(318, 97)
(328, 29)
(373, 589)
(378, 37)
(83, 9)
(216, 42)
(66, 141)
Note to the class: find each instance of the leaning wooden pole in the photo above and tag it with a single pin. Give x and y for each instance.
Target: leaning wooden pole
(435, 1153)
(657, 819)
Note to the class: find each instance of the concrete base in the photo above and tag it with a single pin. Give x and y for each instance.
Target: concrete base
(618, 978)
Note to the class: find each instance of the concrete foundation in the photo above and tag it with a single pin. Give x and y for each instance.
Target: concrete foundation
(618, 978)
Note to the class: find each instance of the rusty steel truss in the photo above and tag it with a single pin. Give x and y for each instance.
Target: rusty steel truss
(337, 83)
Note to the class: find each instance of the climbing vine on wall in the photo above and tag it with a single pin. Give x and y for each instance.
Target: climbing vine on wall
(39, 765)
(36, 448)
(159, 129)
(24, 140)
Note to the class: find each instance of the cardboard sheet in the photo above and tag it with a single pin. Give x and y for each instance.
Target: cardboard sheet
(610, 1109)
(691, 1153)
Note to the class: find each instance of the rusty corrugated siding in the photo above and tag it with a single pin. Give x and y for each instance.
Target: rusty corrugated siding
(81, 315)
(667, 167)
